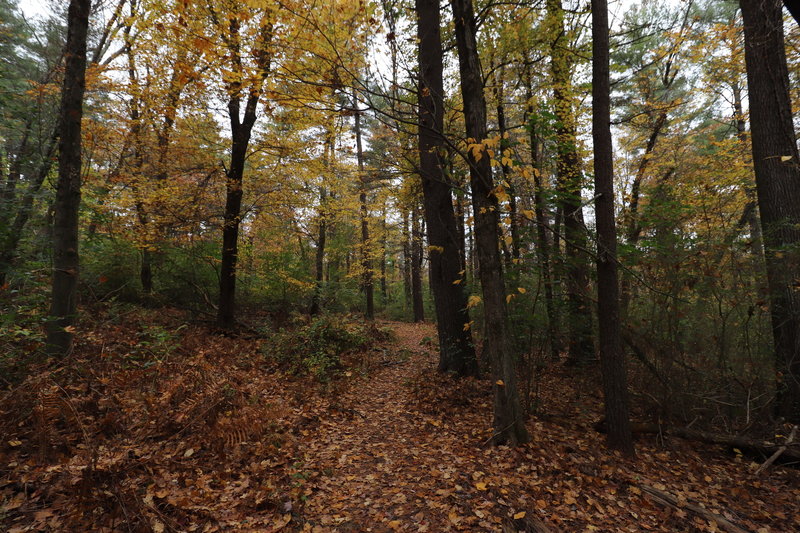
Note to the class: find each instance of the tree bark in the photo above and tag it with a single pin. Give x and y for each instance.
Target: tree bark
(456, 351)
(509, 426)
(634, 227)
(775, 160)
(407, 259)
(319, 256)
(384, 237)
(581, 345)
(543, 242)
(241, 129)
(418, 303)
(14, 231)
(366, 262)
(66, 261)
(794, 9)
(612, 357)
(765, 448)
(461, 229)
(750, 212)
(505, 146)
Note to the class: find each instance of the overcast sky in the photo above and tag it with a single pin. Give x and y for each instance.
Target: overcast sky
(33, 8)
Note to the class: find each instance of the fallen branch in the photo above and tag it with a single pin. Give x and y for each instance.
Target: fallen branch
(780, 451)
(668, 500)
(791, 453)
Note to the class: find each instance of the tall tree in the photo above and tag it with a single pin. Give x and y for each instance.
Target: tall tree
(417, 257)
(241, 123)
(612, 357)
(322, 227)
(366, 261)
(543, 246)
(28, 131)
(456, 351)
(66, 262)
(777, 169)
(570, 178)
(509, 426)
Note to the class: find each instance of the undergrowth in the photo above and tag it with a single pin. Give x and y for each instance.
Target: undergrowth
(322, 346)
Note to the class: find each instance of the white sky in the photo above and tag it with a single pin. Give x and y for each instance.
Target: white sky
(34, 8)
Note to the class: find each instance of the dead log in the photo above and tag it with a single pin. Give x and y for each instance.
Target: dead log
(778, 453)
(765, 448)
(526, 524)
(669, 500)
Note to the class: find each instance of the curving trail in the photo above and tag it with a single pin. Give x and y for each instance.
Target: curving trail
(379, 463)
(403, 449)
(211, 440)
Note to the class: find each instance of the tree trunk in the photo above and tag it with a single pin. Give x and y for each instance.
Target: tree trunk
(226, 315)
(775, 160)
(509, 426)
(542, 244)
(750, 213)
(14, 230)
(456, 352)
(416, 266)
(241, 129)
(461, 236)
(612, 357)
(137, 155)
(319, 256)
(581, 346)
(366, 262)
(634, 227)
(505, 151)
(794, 9)
(66, 262)
(384, 236)
(407, 259)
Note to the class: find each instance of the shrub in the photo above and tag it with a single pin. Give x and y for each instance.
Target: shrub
(317, 346)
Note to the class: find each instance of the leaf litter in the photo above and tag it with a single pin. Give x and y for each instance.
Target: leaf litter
(213, 438)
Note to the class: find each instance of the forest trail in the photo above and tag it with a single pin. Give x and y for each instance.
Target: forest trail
(382, 464)
(216, 437)
(404, 449)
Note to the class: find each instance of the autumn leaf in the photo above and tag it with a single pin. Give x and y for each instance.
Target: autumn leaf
(476, 150)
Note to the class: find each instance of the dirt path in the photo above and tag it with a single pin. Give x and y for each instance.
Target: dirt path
(211, 439)
(403, 449)
(379, 463)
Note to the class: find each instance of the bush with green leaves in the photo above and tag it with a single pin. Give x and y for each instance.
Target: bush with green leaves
(316, 346)
(110, 269)
(23, 313)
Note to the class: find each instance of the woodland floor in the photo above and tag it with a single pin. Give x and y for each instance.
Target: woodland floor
(213, 439)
